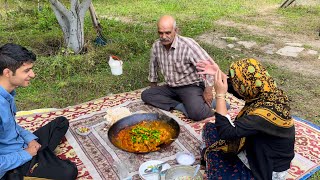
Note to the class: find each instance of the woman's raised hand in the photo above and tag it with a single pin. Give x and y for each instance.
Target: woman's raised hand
(220, 83)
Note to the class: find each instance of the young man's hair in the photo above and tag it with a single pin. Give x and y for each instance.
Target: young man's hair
(12, 56)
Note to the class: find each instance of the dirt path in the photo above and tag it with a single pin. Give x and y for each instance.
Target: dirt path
(302, 84)
(278, 36)
(305, 64)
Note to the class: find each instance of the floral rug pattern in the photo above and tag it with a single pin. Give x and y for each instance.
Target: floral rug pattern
(93, 153)
(103, 155)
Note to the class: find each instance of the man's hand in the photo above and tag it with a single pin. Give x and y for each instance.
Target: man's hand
(34, 144)
(32, 150)
(153, 84)
(207, 95)
(207, 67)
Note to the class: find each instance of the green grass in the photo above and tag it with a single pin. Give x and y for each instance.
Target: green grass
(61, 76)
(301, 17)
(64, 79)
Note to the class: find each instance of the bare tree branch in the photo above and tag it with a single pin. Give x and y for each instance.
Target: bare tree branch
(72, 22)
(62, 20)
(84, 6)
(60, 7)
(73, 4)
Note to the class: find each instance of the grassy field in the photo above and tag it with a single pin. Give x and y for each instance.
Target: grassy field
(64, 79)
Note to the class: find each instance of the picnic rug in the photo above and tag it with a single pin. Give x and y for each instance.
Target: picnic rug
(97, 158)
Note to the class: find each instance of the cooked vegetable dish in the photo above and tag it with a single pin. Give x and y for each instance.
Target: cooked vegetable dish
(145, 136)
(83, 129)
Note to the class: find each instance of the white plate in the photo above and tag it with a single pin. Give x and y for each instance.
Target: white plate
(147, 164)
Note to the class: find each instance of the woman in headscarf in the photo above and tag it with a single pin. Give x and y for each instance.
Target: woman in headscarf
(259, 144)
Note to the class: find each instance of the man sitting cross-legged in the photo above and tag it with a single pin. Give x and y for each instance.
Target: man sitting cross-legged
(23, 153)
(176, 57)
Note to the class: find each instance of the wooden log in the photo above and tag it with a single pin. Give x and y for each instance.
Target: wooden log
(286, 3)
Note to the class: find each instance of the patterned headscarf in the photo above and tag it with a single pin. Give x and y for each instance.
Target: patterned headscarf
(262, 98)
(253, 82)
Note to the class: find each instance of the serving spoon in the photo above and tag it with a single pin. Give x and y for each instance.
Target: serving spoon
(159, 172)
(151, 173)
(196, 172)
(155, 167)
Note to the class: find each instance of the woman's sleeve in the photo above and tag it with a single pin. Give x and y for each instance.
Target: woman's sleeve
(240, 129)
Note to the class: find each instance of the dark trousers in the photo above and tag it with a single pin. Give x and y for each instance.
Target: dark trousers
(167, 98)
(46, 164)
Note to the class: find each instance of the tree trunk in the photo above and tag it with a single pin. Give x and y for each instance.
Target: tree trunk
(71, 22)
(6, 6)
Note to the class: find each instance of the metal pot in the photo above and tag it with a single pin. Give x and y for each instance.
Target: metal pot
(137, 118)
(181, 171)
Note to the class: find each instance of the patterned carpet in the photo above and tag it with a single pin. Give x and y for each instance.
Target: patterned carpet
(95, 155)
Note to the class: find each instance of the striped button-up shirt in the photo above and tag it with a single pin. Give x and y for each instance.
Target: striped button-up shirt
(178, 64)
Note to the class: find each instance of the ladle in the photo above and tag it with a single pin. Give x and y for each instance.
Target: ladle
(196, 171)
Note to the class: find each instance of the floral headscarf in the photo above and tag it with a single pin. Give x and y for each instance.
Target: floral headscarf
(262, 98)
(253, 82)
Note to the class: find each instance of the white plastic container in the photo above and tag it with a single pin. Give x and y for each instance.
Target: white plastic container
(185, 158)
(116, 65)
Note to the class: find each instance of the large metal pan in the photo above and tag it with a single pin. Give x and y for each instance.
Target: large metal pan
(137, 118)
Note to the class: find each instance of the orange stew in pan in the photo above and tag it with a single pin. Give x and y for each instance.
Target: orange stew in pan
(145, 136)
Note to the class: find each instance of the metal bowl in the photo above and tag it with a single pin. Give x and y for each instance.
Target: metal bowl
(182, 171)
(137, 118)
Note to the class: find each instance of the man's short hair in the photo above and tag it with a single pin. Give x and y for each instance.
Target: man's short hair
(12, 56)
